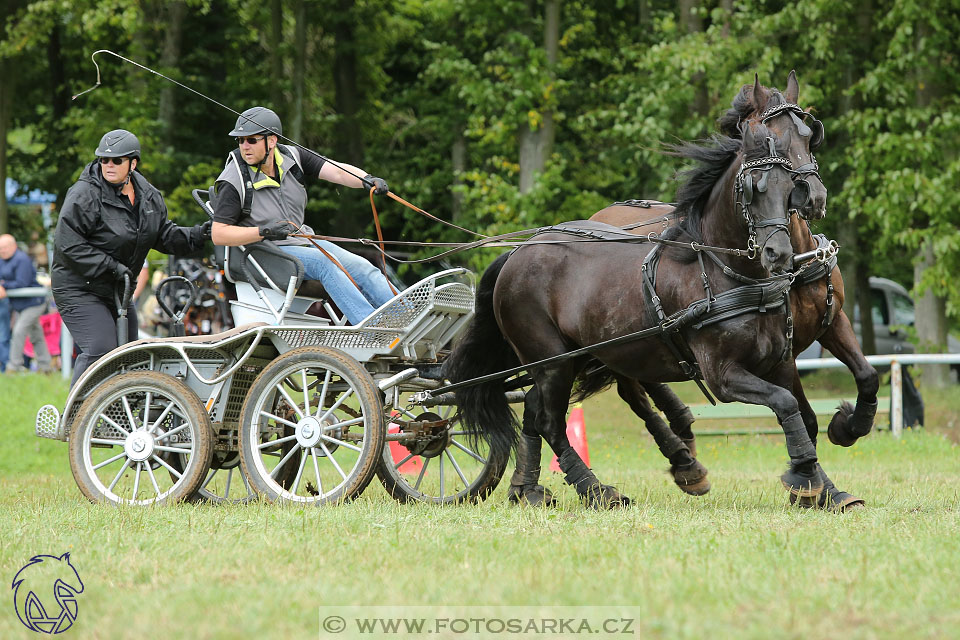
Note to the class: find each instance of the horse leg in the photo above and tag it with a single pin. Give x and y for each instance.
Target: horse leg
(525, 487)
(832, 498)
(851, 423)
(554, 385)
(688, 474)
(734, 382)
(678, 414)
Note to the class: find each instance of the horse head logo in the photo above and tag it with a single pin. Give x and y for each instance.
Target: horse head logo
(45, 594)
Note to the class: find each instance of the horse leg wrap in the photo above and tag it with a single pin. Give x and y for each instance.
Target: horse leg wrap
(863, 415)
(577, 473)
(673, 448)
(799, 446)
(803, 478)
(525, 482)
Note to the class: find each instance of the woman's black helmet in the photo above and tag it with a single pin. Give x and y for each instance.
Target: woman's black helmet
(257, 120)
(118, 143)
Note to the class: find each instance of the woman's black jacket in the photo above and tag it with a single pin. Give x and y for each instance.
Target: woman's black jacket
(98, 228)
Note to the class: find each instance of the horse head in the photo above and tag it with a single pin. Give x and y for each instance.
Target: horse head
(763, 191)
(45, 592)
(801, 131)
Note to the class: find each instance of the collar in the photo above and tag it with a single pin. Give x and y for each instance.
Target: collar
(263, 180)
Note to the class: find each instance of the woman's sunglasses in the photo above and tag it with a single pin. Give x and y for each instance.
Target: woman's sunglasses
(117, 161)
(250, 140)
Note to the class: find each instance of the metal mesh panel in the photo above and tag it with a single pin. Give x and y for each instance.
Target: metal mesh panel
(403, 310)
(343, 340)
(48, 422)
(455, 295)
(239, 386)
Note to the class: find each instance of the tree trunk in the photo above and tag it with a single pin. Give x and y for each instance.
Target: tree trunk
(727, 6)
(176, 12)
(276, 40)
(299, 68)
(458, 159)
(537, 145)
(6, 90)
(347, 103)
(691, 22)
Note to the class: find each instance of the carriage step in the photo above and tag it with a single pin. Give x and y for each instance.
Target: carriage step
(48, 423)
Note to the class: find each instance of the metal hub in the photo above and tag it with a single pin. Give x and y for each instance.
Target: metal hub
(309, 431)
(139, 446)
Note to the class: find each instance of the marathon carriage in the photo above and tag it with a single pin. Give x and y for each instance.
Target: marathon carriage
(287, 405)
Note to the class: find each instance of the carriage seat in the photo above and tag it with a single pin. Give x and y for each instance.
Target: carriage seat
(262, 267)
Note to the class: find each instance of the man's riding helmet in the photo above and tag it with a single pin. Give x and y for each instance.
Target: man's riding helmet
(257, 120)
(118, 143)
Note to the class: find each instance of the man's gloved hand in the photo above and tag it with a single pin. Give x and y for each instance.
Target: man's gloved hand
(205, 229)
(379, 184)
(277, 230)
(122, 270)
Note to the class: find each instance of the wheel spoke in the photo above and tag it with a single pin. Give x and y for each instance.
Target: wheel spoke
(146, 408)
(163, 416)
(226, 491)
(442, 478)
(450, 457)
(136, 482)
(126, 409)
(113, 424)
(278, 419)
(306, 391)
(342, 443)
(271, 443)
(345, 423)
(108, 461)
(153, 479)
(283, 461)
(423, 470)
(340, 401)
(174, 431)
(400, 464)
(169, 468)
(173, 449)
(116, 479)
(470, 453)
(106, 441)
(330, 458)
(406, 412)
(303, 461)
(316, 470)
(286, 396)
(323, 391)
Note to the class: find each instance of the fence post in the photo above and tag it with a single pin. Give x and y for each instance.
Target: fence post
(896, 399)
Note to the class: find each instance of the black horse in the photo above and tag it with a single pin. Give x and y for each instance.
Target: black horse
(547, 299)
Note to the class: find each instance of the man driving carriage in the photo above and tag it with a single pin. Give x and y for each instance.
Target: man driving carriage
(261, 195)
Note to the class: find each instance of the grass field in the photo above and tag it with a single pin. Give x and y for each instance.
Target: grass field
(737, 563)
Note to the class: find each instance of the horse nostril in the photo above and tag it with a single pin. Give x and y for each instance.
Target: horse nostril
(771, 255)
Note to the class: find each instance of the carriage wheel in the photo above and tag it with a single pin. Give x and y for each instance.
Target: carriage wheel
(312, 428)
(141, 438)
(225, 482)
(443, 465)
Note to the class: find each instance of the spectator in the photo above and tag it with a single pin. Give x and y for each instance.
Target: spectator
(16, 272)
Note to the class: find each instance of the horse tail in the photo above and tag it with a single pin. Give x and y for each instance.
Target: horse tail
(591, 381)
(482, 350)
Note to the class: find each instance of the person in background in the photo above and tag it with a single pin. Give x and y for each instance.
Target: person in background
(273, 205)
(110, 219)
(17, 272)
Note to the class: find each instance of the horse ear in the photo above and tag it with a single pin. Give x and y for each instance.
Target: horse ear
(792, 94)
(746, 134)
(758, 101)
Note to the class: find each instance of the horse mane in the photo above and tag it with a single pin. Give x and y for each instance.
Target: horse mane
(742, 107)
(712, 157)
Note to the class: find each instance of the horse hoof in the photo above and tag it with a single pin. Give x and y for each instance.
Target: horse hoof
(836, 501)
(605, 496)
(533, 495)
(692, 479)
(839, 429)
(803, 484)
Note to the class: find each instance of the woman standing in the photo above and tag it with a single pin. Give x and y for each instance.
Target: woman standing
(110, 219)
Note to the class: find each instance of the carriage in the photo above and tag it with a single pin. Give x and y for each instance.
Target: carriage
(287, 405)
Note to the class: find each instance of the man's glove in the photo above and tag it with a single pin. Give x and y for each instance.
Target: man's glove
(122, 270)
(379, 184)
(277, 230)
(205, 229)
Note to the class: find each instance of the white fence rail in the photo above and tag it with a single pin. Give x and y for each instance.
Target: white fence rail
(896, 361)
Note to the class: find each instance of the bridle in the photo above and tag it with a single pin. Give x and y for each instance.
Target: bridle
(801, 175)
(744, 188)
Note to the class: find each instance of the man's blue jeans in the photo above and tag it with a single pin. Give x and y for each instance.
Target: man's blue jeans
(355, 305)
(4, 332)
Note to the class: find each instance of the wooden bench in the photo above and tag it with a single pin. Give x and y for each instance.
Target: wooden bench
(740, 411)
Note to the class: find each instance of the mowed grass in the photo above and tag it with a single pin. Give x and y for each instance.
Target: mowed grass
(737, 563)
